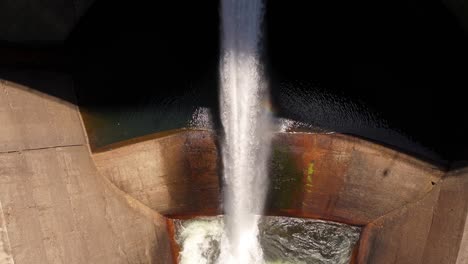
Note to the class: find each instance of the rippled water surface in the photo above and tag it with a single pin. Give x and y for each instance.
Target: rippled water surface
(283, 240)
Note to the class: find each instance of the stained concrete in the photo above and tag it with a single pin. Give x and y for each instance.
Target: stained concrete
(182, 170)
(55, 206)
(431, 230)
(411, 210)
(174, 175)
(345, 179)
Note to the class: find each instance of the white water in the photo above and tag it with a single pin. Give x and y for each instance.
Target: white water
(284, 240)
(247, 130)
(199, 239)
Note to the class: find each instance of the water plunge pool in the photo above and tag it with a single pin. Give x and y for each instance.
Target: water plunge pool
(284, 240)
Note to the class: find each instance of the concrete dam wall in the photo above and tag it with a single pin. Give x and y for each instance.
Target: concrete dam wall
(411, 211)
(60, 203)
(54, 205)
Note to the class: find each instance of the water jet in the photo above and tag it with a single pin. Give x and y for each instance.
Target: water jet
(107, 180)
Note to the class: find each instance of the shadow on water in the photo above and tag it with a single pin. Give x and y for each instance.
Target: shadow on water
(389, 71)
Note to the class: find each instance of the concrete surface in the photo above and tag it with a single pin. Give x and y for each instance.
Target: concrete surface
(54, 205)
(342, 178)
(431, 230)
(350, 180)
(174, 174)
(412, 211)
(57, 206)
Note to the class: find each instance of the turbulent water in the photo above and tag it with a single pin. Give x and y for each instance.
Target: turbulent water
(247, 130)
(282, 239)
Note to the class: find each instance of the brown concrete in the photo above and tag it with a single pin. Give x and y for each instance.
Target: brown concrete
(431, 230)
(178, 174)
(54, 205)
(174, 175)
(350, 180)
(412, 213)
(32, 120)
(400, 236)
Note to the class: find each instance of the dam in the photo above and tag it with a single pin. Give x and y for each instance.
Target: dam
(57, 195)
(233, 131)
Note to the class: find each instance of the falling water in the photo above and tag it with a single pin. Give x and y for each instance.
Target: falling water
(246, 127)
(284, 240)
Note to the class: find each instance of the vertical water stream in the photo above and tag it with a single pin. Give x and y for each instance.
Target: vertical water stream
(246, 129)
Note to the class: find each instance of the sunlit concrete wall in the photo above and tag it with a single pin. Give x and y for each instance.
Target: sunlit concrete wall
(430, 230)
(175, 174)
(335, 177)
(54, 205)
(411, 211)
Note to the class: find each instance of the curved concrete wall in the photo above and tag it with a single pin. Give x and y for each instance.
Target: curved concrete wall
(54, 205)
(430, 230)
(412, 213)
(175, 174)
(330, 176)
(342, 178)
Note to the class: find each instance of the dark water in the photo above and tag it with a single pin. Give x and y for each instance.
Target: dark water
(389, 71)
(283, 240)
(297, 240)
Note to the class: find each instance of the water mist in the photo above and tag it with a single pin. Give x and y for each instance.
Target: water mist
(247, 130)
